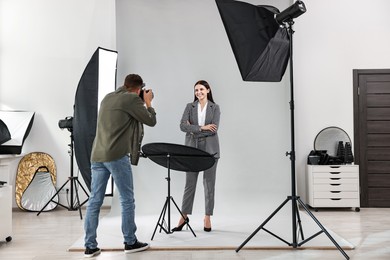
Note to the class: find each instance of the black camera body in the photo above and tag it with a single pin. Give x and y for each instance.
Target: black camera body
(66, 123)
(141, 94)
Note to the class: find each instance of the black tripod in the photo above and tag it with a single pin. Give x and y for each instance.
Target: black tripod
(293, 198)
(74, 182)
(167, 207)
(180, 158)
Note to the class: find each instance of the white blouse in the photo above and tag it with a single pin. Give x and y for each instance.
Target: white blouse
(202, 114)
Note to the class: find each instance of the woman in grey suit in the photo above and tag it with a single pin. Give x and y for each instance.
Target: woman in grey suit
(200, 122)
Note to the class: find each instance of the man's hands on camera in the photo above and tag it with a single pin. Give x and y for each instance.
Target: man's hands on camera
(148, 97)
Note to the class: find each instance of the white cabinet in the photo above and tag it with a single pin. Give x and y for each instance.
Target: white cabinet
(333, 186)
(5, 213)
(8, 169)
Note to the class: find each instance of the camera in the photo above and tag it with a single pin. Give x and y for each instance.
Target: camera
(141, 94)
(66, 123)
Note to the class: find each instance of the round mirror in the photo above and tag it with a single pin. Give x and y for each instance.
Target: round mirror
(329, 138)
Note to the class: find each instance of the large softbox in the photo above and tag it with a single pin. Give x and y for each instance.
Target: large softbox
(260, 45)
(98, 79)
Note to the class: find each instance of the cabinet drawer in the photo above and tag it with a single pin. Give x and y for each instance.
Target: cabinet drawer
(335, 174)
(335, 195)
(336, 203)
(336, 180)
(335, 187)
(334, 168)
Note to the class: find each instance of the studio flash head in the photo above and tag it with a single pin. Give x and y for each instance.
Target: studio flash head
(292, 12)
(66, 123)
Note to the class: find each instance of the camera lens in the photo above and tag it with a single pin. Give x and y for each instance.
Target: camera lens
(141, 94)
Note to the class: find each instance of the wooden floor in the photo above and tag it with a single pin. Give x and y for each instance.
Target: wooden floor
(49, 235)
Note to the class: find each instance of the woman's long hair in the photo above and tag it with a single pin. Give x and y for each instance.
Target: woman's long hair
(207, 86)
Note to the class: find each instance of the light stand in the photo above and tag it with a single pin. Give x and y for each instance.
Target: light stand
(293, 198)
(74, 182)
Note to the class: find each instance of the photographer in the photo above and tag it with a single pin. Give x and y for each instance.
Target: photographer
(119, 133)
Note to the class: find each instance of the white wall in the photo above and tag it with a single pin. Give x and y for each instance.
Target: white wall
(332, 38)
(44, 48)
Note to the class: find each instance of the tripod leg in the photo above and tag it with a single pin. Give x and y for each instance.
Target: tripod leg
(323, 229)
(299, 222)
(58, 191)
(77, 198)
(86, 193)
(160, 218)
(181, 213)
(262, 225)
(162, 221)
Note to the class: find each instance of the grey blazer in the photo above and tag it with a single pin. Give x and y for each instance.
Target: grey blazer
(189, 124)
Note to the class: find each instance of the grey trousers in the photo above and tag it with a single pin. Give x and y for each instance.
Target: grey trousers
(209, 177)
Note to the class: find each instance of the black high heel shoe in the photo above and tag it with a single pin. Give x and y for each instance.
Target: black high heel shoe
(206, 229)
(180, 227)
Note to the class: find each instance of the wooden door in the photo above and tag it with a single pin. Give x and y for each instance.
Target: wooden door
(372, 135)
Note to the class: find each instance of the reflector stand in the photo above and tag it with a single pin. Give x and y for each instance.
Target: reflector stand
(180, 158)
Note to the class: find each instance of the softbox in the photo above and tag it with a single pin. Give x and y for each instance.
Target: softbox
(17, 126)
(259, 44)
(98, 79)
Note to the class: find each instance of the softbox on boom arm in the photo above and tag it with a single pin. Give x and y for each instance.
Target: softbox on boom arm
(98, 79)
(262, 50)
(260, 45)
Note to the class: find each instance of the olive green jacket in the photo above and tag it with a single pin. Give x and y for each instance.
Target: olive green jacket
(120, 127)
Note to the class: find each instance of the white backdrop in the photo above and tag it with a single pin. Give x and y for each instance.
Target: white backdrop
(172, 44)
(45, 46)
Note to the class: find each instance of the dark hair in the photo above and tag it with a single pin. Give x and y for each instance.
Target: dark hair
(133, 81)
(207, 86)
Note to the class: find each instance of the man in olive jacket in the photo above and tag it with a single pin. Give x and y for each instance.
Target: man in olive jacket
(119, 135)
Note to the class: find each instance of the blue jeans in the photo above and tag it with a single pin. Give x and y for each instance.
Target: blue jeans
(123, 178)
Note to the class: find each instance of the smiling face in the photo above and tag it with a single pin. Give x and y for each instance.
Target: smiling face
(201, 92)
